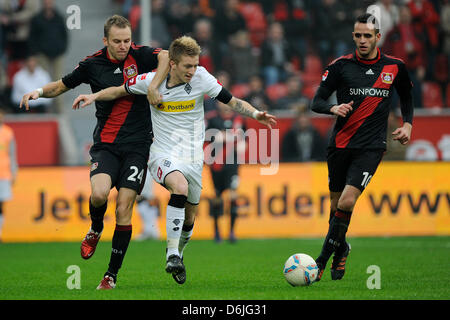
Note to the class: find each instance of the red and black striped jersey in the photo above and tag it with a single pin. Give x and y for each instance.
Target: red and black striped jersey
(369, 84)
(127, 119)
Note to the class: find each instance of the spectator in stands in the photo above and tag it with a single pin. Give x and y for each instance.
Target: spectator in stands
(445, 26)
(160, 36)
(257, 95)
(425, 21)
(30, 77)
(276, 56)
(388, 17)
(210, 55)
(8, 164)
(294, 95)
(303, 141)
(242, 57)
(333, 18)
(402, 42)
(296, 18)
(227, 21)
(48, 39)
(180, 18)
(15, 18)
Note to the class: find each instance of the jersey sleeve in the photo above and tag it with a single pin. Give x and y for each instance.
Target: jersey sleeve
(329, 84)
(211, 85)
(78, 76)
(139, 84)
(403, 85)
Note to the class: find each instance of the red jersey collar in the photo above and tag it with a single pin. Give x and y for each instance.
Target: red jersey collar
(370, 61)
(109, 57)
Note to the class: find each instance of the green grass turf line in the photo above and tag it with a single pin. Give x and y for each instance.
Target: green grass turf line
(411, 268)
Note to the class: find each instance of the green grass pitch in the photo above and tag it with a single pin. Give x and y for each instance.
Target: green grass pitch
(410, 268)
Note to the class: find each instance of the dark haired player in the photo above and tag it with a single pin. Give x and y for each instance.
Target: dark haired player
(364, 82)
(122, 136)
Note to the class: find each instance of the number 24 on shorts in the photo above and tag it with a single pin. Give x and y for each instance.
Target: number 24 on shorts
(136, 174)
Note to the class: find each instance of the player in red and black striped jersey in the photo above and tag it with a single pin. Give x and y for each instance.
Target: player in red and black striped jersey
(122, 136)
(364, 83)
(229, 148)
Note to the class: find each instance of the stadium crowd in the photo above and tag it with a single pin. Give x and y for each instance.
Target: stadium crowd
(272, 51)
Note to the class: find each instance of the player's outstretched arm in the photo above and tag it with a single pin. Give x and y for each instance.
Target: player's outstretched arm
(246, 109)
(108, 94)
(153, 95)
(50, 90)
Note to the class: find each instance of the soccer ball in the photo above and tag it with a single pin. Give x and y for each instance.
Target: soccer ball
(300, 270)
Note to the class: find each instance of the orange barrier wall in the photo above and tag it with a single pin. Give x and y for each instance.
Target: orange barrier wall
(51, 204)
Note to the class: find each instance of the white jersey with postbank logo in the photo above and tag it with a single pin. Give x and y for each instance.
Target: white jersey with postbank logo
(178, 122)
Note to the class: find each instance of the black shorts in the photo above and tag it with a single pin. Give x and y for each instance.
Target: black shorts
(226, 178)
(353, 167)
(125, 164)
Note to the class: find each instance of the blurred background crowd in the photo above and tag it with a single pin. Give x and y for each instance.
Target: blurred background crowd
(271, 53)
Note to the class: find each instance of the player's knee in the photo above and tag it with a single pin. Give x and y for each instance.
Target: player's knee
(180, 187)
(99, 197)
(124, 211)
(347, 203)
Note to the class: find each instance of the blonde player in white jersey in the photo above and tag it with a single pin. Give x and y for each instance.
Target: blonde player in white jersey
(176, 155)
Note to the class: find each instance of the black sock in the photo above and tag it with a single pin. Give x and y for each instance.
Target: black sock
(120, 241)
(233, 214)
(335, 239)
(97, 215)
(344, 221)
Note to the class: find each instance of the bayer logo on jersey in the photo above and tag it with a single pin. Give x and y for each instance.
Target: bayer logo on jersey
(300, 270)
(387, 77)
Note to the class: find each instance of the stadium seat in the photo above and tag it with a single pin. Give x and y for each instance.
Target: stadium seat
(441, 68)
(447, 96)
(135, 16)
(255, 20)
(12, 68)
(432, 95)
(240, 90)
(311, 78)
(309, 90)
(313, 64)
(276, 91)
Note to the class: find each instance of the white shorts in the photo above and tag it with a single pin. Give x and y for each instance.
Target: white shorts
(147, 190)
(5, 190)
(160, 165)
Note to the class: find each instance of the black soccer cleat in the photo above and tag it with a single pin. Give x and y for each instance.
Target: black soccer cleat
(180, 277)
(175, 266)
(321, 269)
(338, 265)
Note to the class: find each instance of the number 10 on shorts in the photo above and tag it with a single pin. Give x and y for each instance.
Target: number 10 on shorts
(366, 179)
(135, 174)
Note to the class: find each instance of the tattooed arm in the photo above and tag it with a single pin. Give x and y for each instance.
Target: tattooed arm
(246, 109)
(242, 107)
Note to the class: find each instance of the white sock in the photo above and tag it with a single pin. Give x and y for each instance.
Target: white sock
(184, 239)
(174, 224)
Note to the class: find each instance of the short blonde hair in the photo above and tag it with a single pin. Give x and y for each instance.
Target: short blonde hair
(184, 45)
